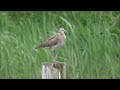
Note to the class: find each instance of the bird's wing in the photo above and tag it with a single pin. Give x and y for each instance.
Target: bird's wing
(52, 37)
(51, 41)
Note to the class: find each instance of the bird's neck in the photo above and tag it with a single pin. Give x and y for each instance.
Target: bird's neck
(64, 36)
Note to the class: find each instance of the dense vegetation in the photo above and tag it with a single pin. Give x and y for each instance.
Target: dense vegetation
(92, 48)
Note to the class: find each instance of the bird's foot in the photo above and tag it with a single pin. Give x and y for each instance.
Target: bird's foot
(54, 61)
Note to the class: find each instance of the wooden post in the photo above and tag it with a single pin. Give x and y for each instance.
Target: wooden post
(53, 70)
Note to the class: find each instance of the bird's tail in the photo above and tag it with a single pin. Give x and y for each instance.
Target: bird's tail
(40, 46)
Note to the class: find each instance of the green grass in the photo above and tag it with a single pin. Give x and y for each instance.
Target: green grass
(91, 50)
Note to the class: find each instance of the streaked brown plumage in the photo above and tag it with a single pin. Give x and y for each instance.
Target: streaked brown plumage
(55, 41)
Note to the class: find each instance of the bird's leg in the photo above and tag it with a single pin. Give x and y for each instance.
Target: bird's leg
(54, 56)
(53, 51)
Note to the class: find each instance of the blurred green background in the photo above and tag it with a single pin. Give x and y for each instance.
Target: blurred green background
(91, 50)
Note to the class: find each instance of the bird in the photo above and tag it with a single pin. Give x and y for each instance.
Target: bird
(54, 42)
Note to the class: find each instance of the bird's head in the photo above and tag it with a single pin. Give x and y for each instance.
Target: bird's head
(62, 30)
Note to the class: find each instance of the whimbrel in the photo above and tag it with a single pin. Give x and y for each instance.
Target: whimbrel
(54, 42)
